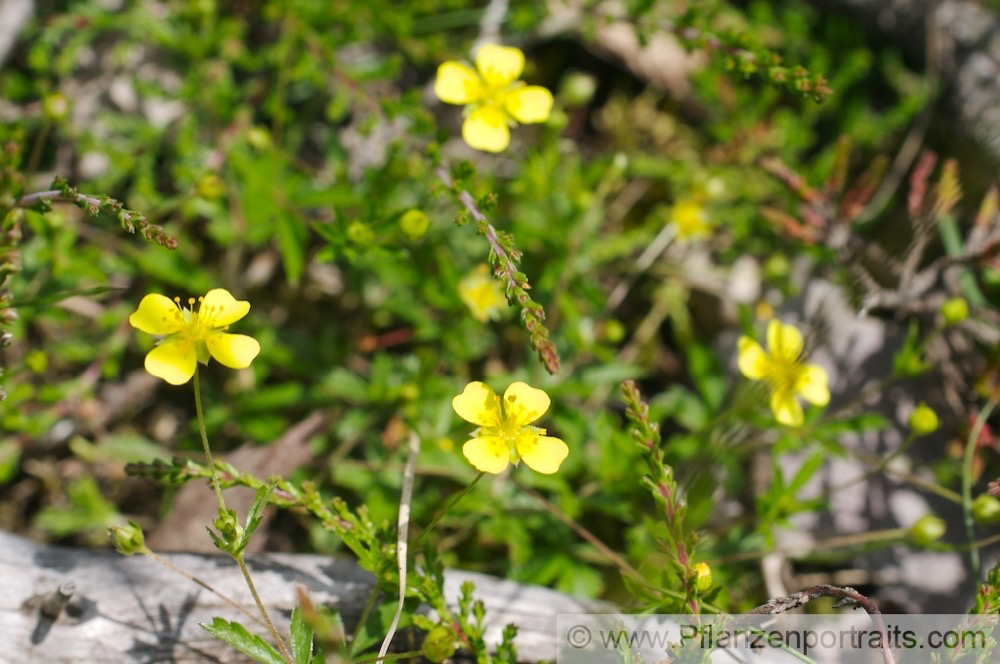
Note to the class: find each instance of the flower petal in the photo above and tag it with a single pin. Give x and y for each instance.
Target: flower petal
(531, 103)
(523, 404)
(157, 314)
(784, 341)
(812, 384)
(173, 361)
(753, 361)
(219, 308)
(543, 454)
(487, 453)
(457, 83)
(499, 65)
(478, 404)
(235, 351)
(786, 409)
(486, 129)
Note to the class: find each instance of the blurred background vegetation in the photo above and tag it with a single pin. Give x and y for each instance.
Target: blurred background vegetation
(667, 206)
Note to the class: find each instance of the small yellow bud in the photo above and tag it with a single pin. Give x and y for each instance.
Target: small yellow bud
(127, 540)
(702, 577)
(955, 310)
(923, 420)
(211, 187)
(259, 137)
(414, 223)
(614, 331)
(927, 530)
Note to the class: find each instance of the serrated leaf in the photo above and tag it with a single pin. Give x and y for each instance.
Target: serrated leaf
(302, 638)
(255, 515)
(237, 636)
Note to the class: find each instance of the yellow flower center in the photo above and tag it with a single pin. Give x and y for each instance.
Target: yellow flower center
(494, 95)
(783, 373)
(195, 324)
(511, 425)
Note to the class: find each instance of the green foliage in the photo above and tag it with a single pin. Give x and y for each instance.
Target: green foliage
(293, 153)
(249, 644)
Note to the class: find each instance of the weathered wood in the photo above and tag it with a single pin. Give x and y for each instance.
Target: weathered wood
(132, 609)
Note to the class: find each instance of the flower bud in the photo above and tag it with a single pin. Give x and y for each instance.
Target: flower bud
(986, 509)
(211, 187)
(927, 530)
(55, 107)
(414, 223)
(578, 89)
(259, 137)
(439, 644)
(923, 420)
(702, 577)
(361, 233)
(955, 310)
(127, 540)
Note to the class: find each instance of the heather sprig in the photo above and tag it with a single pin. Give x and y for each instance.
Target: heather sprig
(504, 257)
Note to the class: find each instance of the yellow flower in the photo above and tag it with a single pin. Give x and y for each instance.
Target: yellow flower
(504, 435)
(702, 577)
(783, 369)
(194, 335)
(688, 215)
(482, 294)
(492, 95)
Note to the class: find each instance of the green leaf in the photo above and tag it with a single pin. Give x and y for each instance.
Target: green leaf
(292, 238)
(807, 470)
(302, 638)
(255, 515)
(238, 637)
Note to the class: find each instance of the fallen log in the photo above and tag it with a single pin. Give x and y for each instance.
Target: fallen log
(77, 605)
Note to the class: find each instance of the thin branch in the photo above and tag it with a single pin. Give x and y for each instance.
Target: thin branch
(130, 220)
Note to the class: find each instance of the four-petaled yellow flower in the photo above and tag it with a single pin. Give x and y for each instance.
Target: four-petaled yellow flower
(504, 435)
(785, 372)
(194, 334)
(492, 95)
(482, 294)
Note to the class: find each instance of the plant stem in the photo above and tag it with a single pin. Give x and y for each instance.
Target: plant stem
(970, 453)
(204, 441)
(451, 503)
(260, 607)
(149, 553)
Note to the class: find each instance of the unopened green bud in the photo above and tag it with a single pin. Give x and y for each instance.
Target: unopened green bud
(127, 540)
(259, 137)
(414, 223)
(986, 509)
(923, 420)
(359, 232)
(227, 524)
(955, 310)
(211, 187)
(55, 107)
(614, 331)
(439, 644)
(927, 530)
(578, 89)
